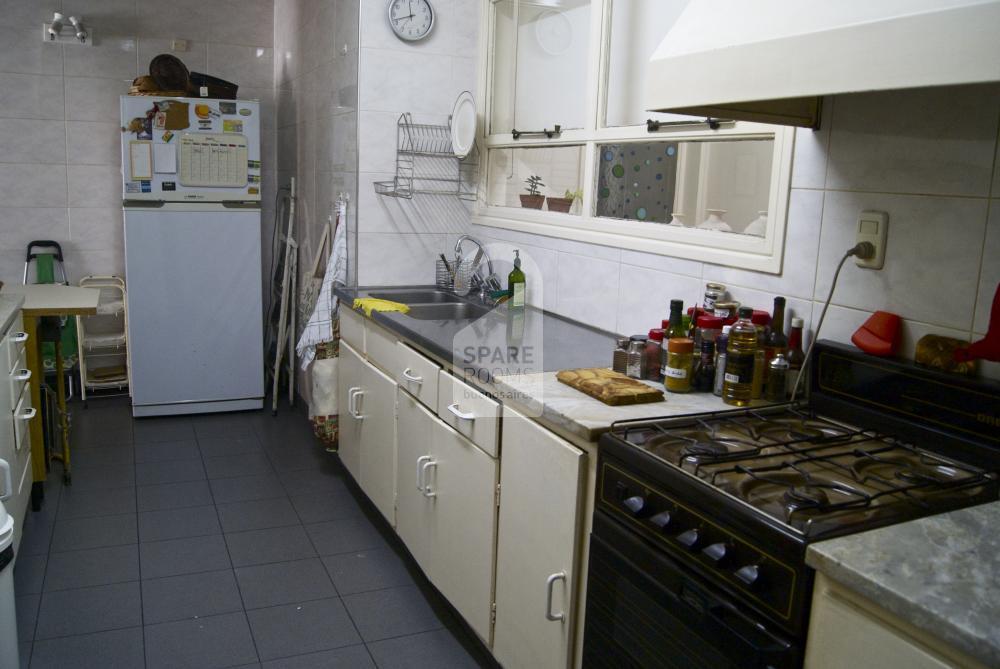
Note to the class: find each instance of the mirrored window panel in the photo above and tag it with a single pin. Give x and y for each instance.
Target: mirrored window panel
(547, 178)
(717, 185)
(540, 64)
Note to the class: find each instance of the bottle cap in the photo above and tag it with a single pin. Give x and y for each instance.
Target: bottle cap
(623, 342)
(680, 345)
(797, 322)
(517, 258)
(779, 362)
(779, 301)
(676, 305)
(759, 317)
(656, 334)
(746, 312)
(710, 322)
(639, 337)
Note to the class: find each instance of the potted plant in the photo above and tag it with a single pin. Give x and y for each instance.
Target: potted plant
(534, 199)
(565, 203)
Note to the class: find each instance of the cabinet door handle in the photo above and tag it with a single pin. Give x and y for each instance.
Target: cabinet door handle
(19, 337)
(453, 408)
(351, 392)
(21, 375)
(359, 395)
(549, 584)
(29, 414)
(410, 376)
(8, 487)
(423, 475)
(420, 472)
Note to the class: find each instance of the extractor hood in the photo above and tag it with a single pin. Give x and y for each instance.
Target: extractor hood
(771, 60)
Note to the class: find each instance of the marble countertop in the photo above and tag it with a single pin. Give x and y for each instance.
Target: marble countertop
(10, 304)
(941, 574)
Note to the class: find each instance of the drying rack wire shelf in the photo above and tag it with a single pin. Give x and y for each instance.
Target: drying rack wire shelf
(427, 164)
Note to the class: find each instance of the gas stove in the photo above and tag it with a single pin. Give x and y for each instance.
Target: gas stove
(707, 518)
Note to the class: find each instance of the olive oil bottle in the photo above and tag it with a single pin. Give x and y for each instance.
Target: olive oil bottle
(741, 351)
(515, 283)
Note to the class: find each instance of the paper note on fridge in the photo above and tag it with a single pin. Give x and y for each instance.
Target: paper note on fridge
(140, 159)
(165, 158)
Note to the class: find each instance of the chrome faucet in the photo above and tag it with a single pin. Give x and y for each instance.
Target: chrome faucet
(486, 284)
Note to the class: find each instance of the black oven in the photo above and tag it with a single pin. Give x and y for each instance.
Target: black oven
(646, 610)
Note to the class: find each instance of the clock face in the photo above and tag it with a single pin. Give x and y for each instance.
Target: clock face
(411, 20)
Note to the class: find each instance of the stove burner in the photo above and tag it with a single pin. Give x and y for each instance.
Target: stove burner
(699, 447)
(710, 449)
(799, 429)
(805, 496)
(909, 470)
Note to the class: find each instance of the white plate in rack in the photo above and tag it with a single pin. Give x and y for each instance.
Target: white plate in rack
(463, 125)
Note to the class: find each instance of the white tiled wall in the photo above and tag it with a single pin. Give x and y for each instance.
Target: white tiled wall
(59, 126)
(927, 157)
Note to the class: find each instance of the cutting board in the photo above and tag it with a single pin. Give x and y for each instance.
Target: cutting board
(609, 386)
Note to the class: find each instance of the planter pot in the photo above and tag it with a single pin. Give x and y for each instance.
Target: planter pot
(532, 201)
(560, 204)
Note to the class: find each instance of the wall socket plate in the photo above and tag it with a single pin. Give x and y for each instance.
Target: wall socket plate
(873, 226)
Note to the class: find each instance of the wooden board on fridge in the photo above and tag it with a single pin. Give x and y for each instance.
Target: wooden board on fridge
(609, 386)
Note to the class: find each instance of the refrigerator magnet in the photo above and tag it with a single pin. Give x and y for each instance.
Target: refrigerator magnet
(159, 120)
(232, 126)
(245, 112)
(253, 190)
(227, 107)
(167, 136)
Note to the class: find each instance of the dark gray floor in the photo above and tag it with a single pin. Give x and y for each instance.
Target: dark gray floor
(229, 540)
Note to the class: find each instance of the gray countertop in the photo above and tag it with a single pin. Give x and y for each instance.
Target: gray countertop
(10, 304)
(941, 574)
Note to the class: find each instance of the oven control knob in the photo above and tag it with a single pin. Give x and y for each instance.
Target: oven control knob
(635, 504)
(661, 520)
(748, 573)
(715, 552)
(689, 538)
(621, 491)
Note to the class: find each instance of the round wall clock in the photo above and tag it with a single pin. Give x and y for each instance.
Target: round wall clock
(411, 20)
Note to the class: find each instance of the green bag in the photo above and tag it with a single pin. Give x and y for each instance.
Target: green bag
(45, 273)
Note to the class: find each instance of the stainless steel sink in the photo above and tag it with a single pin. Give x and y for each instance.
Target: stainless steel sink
(460, 311)
(428, 296)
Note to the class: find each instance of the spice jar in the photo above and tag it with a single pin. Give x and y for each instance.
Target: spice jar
(777, 379)
(709, 328)
(636, 367)
(619, 360)
(654, 355)
(714, 292)
(680, 359)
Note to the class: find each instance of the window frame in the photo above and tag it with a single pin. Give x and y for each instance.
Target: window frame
(763, 254)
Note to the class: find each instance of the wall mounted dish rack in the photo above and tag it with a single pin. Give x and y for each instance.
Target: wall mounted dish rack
(426, 163)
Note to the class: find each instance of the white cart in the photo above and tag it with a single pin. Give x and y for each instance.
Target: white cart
(103, 338)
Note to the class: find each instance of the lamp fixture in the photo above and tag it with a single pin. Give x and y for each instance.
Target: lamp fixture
(56, 32)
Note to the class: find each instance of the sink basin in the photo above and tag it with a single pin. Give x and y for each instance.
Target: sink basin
(428, 296)
(460, 311)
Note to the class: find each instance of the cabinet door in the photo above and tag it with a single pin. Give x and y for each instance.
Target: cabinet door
(377, 405)
(537, 546)
(349, 381)
(415, 427)
(462, 479)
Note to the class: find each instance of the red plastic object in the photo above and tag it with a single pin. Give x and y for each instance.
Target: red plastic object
(987, 348)
(760, 317)
(879, 335)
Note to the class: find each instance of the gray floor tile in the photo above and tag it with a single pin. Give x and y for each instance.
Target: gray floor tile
(26, 608)
(362, 571)
(183, 556)
(381, 614)
(75, 503)
(277, 544)
(150, 430)
(246, 488)
(117, 649)
(284, 583)
(172, 471)
(223, 430)
(195, 521)
(94, 566)
(173, 495)
(80, 533)
(345, 535)
(37, 536)
(283, 631)
(108, 476)
(86, 610)
(439, 648)
(215, 447)
(100, 438)
(232, 466)
(257, 514)
(322, 506)
(348, 657)
(29, 571)
(90, 458)
(160, 451)
(290, 457)
(204, 643)
(307, 481)
(190, 596)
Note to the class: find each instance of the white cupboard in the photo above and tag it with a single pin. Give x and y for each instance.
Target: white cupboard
(15, 413)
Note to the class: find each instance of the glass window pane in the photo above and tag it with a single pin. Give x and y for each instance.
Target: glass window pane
(558, 168)
(540, 69)
(637, 28)
(719, 185)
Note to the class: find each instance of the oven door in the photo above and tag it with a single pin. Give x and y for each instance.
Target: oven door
(644, 610)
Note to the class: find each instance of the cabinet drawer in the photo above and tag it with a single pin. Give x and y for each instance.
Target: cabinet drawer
(19, 375)
(23, 413)
(13, 345)
(416, 374)
(470, 412)
(352, 328)
(380, 345)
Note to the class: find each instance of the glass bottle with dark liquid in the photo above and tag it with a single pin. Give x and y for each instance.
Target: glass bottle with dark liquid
(741, 351)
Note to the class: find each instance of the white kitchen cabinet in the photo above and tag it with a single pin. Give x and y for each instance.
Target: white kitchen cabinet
(537, 547)
(367, 404)
(447, 510)
(15, 413)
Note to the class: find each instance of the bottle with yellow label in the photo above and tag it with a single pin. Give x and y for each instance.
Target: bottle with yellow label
(515, 283)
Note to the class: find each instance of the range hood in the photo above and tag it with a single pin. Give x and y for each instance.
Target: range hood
(771, 60)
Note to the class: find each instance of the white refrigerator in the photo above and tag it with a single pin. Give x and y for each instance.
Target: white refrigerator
(191, 181)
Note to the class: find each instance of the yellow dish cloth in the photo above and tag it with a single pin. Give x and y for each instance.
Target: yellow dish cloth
(370, 304)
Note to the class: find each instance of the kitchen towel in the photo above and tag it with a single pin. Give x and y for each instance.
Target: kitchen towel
(320, 328)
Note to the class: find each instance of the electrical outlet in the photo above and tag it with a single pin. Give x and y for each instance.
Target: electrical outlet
(873, 226)
(179, 45)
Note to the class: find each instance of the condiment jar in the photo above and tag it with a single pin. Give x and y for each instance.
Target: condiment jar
(714, 292)
(619, 360)
(680, 359)
(636, 367)
(654, 355)
(777, 379)
(727, 310)
(709, 328)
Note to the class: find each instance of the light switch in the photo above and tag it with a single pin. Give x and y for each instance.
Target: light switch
(873, 226)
